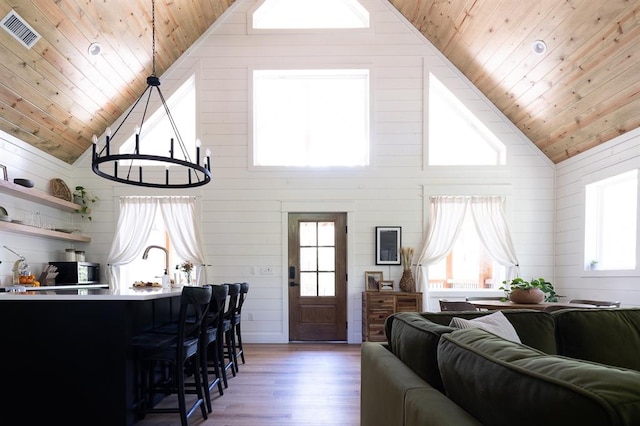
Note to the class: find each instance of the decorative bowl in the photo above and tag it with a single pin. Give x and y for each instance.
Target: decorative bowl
(23, 182)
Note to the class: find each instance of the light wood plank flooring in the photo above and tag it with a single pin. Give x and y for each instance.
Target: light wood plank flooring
(297, 384)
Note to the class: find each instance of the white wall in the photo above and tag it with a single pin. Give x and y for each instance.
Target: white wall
(611, 158)
(244, 209)
(25, 161)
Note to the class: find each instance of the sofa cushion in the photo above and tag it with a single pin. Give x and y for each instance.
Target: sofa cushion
(500, 382)
(495, 323)
(413, 337)
(608, 336)
(414, 341)
(534, 328)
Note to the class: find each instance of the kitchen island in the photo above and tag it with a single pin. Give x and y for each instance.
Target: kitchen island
(66, 354)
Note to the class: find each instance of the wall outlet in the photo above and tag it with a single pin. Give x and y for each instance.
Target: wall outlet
(266, 270)
(250, 316)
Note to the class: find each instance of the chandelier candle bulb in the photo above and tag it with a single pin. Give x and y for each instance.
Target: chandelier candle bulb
(137, 139)
(108, 138)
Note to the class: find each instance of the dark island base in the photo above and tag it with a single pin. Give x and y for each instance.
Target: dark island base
(70, 362)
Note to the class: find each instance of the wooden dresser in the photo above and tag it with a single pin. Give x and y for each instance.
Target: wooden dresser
(378, 305)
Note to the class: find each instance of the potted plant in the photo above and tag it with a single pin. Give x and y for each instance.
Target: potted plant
(534, 291)
(84, 198)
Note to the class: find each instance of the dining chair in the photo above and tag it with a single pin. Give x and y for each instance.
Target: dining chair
(179, 354)
(598, 303)
(451, 305)
(553, 308)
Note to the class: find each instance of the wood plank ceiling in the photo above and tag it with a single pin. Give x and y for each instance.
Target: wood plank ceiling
(582, 92)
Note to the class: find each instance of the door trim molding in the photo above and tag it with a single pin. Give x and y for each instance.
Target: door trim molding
(354, 335)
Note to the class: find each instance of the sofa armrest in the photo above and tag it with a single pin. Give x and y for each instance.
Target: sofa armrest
(391, 394)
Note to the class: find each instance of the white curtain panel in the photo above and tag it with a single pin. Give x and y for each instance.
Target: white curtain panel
(446, 215)
(180, 218)
(491, 224)
(136, 218)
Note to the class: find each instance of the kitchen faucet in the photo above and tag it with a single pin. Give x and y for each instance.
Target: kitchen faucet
(145, 255)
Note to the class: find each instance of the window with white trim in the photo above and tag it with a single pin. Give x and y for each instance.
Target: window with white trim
(456, 136)
(611, 207)
(311, 118)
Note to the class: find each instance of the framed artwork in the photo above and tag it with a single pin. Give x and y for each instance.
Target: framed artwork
(372, 280)
(388, 241)
(387, 285)
(4, 172)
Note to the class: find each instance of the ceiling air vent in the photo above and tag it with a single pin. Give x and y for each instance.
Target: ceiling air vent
(20, 30)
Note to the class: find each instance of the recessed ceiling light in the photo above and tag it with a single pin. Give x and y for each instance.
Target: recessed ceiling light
(539, 47)
(95, 49)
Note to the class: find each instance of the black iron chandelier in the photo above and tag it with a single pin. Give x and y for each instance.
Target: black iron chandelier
(126, 167)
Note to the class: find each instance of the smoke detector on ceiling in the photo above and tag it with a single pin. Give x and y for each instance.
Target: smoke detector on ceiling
(20, 30)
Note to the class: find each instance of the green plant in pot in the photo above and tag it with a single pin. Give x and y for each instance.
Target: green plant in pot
(84, 198)
(534, 291)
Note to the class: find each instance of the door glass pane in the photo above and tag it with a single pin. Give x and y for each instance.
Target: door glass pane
(308, 235)
(308, 259)
(308, 284)
(326, 259)
(317, 259)
(326, 234)
(327, 283)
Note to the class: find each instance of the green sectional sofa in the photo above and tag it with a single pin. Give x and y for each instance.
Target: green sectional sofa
(574, 366)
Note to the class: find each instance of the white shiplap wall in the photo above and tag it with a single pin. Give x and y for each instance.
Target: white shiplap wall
(611, 158)
(25, 161)
(244, 209)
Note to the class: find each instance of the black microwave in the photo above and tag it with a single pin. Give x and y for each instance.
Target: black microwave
(77, 272)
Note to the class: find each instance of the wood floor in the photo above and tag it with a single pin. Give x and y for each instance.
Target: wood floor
(298, 384)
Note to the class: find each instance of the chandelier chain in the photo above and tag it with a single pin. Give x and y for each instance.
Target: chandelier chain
(153, 36)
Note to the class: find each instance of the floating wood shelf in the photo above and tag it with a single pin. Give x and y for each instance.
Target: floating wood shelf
(42, 232)
(38, 196)
(41, 197)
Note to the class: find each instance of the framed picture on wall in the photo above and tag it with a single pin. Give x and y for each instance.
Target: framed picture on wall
(372, 280)
(388, 241)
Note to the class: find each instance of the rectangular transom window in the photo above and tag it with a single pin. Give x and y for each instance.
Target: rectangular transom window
(311, 118)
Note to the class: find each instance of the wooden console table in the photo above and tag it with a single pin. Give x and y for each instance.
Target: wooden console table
(377, 306)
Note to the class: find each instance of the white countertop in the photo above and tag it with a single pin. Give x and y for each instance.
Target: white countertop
(91, 292)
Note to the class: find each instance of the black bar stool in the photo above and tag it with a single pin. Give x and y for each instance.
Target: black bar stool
(179, 352)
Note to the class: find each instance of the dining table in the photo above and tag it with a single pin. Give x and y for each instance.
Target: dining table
(497, 305)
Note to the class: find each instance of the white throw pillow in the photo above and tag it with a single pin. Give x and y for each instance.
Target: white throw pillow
(495, 323)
